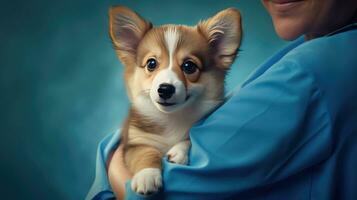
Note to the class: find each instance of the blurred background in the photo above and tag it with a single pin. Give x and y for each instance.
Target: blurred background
(62, 88)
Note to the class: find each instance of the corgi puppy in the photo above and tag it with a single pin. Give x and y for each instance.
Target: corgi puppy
(174, 75)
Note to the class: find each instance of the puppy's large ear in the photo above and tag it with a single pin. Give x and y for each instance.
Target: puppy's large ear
(126, 29)
(223, 32)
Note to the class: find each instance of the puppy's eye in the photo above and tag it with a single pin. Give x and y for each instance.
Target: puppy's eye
(151, 64)
(188, 67)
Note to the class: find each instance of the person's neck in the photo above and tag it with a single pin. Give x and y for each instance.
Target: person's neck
(310, 36)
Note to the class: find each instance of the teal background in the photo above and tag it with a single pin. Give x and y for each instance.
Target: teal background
(62, 88)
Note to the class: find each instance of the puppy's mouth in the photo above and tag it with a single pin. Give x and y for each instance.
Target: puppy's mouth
(167, 104)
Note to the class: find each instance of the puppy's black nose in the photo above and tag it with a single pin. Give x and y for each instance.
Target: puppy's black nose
(166, 90)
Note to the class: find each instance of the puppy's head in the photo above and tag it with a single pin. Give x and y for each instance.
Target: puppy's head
(174, 67)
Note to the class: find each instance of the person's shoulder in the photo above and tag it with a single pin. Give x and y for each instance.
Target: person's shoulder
(331, 61)
(327, 49)
(319, 59)
(334, 39)
(333, 55)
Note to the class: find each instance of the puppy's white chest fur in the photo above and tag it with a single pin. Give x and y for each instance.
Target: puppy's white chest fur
(174, 127)
(173, 130)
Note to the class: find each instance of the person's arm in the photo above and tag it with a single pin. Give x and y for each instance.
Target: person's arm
(275, 127)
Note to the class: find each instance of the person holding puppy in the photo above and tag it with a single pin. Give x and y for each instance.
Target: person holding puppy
(289, 132)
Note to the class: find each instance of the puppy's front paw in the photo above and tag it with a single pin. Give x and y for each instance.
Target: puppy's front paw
(147, 181)
(178, 153)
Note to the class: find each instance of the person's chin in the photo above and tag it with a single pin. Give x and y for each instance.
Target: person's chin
(288, 29)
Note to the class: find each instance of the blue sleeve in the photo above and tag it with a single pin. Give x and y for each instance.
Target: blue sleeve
(100, 189)
(273, 127)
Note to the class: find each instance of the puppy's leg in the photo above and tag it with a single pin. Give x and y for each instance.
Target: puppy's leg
(145, 162)
(179, 152)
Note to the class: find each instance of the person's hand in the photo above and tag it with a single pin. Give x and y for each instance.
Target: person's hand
(118, 173)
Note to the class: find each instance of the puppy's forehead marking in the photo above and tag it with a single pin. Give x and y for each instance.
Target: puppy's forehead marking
(171, 38)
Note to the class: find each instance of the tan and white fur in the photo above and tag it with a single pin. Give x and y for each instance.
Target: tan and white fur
(174, 76)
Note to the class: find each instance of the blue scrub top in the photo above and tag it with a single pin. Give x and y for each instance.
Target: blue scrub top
(289, 132)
